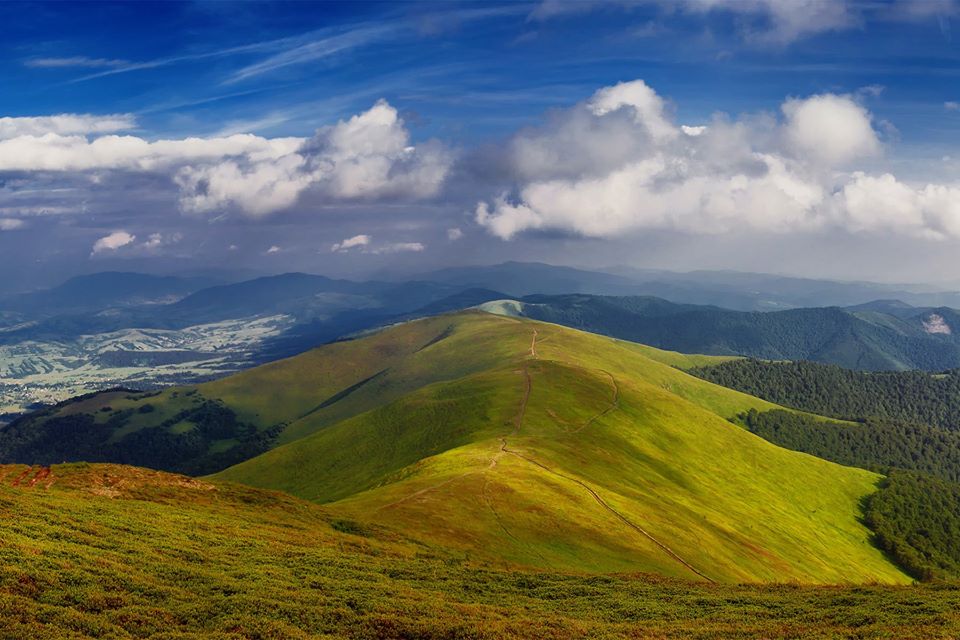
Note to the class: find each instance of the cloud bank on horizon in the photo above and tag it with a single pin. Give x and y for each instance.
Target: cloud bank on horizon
(614, 163)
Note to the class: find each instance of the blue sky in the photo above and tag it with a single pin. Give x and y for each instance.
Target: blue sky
(467, 91)
(180, 66)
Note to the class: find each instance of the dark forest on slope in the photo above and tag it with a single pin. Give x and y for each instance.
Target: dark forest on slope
(907, 396)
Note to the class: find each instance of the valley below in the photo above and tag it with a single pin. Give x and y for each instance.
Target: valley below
(43, 372)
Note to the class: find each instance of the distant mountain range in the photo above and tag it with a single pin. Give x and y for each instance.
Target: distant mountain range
(96, 292)
(881, 336)
(141, 330)
(728, 289)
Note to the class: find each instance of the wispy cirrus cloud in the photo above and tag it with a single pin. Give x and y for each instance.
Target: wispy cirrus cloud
(291, 50)
(255, 47)
(73, 61)
(317, 49)
(303, 48)
(766, 22)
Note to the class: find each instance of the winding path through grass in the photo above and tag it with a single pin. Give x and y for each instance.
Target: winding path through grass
(504, 449)
(596, 496)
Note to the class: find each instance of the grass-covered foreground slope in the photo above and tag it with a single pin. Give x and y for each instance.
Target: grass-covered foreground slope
(104, 551)
(565, 450)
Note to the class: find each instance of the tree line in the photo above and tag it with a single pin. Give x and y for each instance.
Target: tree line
(902, 396)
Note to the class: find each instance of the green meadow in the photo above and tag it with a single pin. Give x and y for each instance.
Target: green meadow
(462, 476)
(106, 551)
(576, 452)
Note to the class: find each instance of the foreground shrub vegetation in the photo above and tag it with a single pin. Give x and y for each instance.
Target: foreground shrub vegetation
(115, 552)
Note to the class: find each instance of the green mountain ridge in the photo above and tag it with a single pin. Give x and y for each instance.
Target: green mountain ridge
(555, 461)
(517, 443)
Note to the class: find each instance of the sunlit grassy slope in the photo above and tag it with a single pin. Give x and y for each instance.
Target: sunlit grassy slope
(326, 385)
(524, 443)
(105, 551)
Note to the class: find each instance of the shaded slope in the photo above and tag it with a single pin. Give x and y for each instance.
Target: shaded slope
(579, 452)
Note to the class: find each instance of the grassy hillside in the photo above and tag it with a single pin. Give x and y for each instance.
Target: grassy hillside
(103, 551)
(525, 443)
(251, 411)
(518, 442)
(208, 427)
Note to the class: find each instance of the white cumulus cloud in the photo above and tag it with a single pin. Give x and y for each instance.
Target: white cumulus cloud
(647, 107)
(615, 164)
(65, 124)
(361, 240)
(11, 224)
(56, 152)
(830, 128)
(368, 156)
(157, 241)
(112, 242)
(153, 245)
(364, 243)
